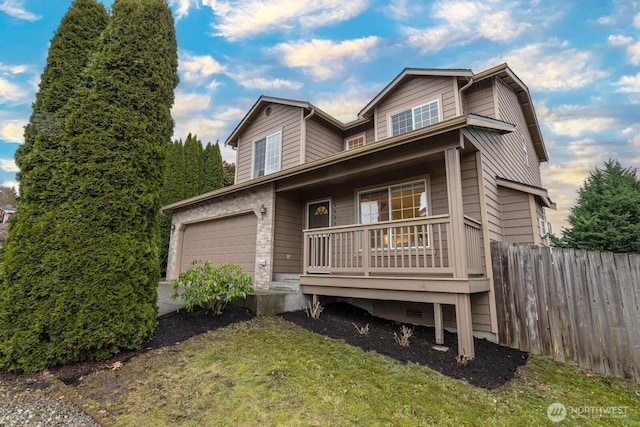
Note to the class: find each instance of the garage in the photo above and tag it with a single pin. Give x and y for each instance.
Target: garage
(230, 239)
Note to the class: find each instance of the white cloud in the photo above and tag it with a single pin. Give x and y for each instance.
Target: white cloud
(629, 84)
(636, 21)
(183, 7)
(464, 21)
(634, 53)
(187, 103)
(207, 130)
(619, 40)
(606, 20)
(552, 66)
(8, 165)
(565, 178)
(345, 105)
(16, 9)
(324, 59)
(238, 19)
(573, 120)
(13, 130)
(12, 93)
(198, 68)
(263, 83)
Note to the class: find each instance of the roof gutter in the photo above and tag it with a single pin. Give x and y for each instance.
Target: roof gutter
(463, 88)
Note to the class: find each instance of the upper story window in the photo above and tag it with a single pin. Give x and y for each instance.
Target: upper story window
(415, 118)
(266, 155)
(354, 142)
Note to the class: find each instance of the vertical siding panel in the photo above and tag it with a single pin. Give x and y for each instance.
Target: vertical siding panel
(288, 234)
(479, 99)
(321, 141)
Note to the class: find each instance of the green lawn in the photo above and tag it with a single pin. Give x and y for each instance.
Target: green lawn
(268, 372)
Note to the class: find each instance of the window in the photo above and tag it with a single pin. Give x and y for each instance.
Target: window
(415, 118)
(266, 155)
(397, 202)
(355, 142)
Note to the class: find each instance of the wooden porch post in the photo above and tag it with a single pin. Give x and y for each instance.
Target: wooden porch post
(457, 248)
(464, 326)
(458, 252)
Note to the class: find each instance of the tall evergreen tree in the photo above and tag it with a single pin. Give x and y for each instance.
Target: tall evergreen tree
(229, 173)
(106, 234)
(606, 216)
(194, 166)
(172, 191)
(213, 172)
(28, 287)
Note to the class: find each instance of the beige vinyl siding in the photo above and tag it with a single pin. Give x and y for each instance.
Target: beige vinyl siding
(470, 196)
(287, 242)
(413, 92)
(517, 223)
(282, 118)
(478, 99)
(511, 112)
(321, 141)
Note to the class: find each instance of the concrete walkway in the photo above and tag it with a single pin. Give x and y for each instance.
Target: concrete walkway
(167, 305)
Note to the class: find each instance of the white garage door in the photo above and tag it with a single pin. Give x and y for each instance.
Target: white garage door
(231, 239)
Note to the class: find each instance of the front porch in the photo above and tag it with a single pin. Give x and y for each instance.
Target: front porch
(410, 260)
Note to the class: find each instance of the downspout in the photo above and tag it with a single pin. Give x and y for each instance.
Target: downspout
(462, 89)
(303, 145)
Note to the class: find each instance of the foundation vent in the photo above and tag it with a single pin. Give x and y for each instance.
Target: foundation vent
(412, 313)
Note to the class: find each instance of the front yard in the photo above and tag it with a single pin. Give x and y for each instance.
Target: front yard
(269, 371)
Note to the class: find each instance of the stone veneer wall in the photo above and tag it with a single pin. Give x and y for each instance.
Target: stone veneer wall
(241, 201)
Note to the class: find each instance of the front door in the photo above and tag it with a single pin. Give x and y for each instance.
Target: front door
(319, 216)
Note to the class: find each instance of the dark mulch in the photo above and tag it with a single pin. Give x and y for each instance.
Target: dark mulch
(172, 329)
(492, 367)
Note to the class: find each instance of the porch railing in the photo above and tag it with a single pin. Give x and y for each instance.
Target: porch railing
(410, 246)
(473, 239)
(414, 246)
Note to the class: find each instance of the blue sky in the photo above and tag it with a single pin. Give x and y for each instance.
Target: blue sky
(579, 58)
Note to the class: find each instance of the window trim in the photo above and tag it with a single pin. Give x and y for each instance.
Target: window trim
(353, 137)
(390, 115)
(253, 154)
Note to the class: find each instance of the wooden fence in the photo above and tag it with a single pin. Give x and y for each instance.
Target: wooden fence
(575, 306)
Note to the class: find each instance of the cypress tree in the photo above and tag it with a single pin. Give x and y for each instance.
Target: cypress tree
(107, 229)
(213, 173)
(172, 191)
(194, 165)
(28, 288)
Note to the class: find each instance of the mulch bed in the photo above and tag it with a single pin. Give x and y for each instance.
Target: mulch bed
(492, 367)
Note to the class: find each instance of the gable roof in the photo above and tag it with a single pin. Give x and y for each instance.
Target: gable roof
(263, 100)
(501, 71)
(411, 72)
(504, 73)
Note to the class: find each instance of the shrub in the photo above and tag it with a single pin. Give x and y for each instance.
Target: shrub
(211, 287)
(403, 338)
(313, 310)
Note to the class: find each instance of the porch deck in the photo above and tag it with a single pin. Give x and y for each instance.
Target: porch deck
(408, 260)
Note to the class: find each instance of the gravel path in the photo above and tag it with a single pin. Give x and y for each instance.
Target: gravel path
(27, 408)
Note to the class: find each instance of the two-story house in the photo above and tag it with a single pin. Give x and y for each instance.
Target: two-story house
(393, 211)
